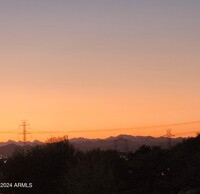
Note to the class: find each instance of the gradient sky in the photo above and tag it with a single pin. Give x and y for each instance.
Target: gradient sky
(98, 64)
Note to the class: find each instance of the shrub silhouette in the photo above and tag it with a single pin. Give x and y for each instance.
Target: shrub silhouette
(44, 166)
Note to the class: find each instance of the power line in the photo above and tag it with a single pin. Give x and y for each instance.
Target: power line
(187, 132)
(24, 126)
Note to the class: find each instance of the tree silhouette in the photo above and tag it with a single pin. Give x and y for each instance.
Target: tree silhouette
(58, 168)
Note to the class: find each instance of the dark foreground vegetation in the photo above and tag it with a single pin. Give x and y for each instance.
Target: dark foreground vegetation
(57, 168)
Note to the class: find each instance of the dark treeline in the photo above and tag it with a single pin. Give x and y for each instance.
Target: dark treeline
(57, 168)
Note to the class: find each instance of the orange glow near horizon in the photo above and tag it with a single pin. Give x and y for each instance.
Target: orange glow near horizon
(80, 113)
(185, 129)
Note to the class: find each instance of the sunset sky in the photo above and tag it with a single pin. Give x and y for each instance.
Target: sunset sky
(72, 65)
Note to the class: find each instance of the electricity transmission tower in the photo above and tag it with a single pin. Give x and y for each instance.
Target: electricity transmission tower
(23, 127)
(169, 136)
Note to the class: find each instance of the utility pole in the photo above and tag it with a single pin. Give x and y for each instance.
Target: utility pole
(23, 126)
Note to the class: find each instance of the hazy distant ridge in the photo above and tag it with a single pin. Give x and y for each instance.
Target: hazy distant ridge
(121, 143)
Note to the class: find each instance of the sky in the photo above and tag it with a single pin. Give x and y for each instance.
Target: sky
(73, 65)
